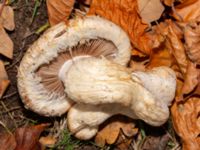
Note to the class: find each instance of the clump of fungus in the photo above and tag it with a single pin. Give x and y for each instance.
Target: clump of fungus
(81, 67)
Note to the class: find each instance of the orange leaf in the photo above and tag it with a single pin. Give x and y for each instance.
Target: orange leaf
(111, 129)
(6, 44)
(124, 13)
(186, 122)
(7, 18)
(4, 82)
(192, 39)
(188, 11)
(150, 10)
(59, 10)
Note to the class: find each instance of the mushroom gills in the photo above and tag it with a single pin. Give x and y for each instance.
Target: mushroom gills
(52, 73)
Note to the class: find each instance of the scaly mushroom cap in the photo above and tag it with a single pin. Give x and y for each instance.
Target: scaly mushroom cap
(46, 61)
(103, 88)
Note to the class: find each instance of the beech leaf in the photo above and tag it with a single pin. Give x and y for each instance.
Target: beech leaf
(186, 122)
(125, 14)
(6, 44)
(150, 10)
(111, 129)
(59, 10)
(7, 18)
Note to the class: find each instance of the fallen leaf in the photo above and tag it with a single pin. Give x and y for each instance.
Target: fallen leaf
(7, 18)
(48, 141)
(186, 121)
(168, 2)
(59, 10)
(6, 44)
(27, 138)
(191, 78)
(4, 82)
(156, 143)
(192, 39)
(124, 13)
(176, 48)
(150, 10)
(7, 142)
(187, 11)
(111, 129)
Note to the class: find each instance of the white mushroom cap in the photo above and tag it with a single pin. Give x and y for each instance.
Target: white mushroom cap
(103, 88)
(59, 39)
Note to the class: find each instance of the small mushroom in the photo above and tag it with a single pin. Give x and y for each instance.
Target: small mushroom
(103, 88)
(44, 65)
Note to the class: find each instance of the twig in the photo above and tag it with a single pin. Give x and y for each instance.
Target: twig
(12, 109)
(9, 95)
(4, 106)
(3, 125)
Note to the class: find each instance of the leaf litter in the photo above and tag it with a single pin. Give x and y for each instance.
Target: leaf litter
(159, 37)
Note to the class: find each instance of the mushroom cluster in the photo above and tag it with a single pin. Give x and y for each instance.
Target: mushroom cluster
(81, 68)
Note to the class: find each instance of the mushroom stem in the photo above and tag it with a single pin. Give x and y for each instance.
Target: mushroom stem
(103, 88)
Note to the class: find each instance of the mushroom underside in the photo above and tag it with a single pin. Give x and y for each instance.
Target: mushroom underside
(50, 73)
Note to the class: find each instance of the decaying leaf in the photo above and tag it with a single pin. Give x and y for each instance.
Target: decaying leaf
(192, 39)
(188, 11)
(6, 44)
(186, 122)
(7, 142)
(168, 2)
(111, 129)
(4, 82)
(59, 10)
(150, 10)
(7, 18)
(27, 138)
(125, 14)
(24, 138)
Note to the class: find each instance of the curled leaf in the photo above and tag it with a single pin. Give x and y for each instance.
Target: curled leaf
(59, 10)
(125, 14)
(150, 10)
(186, 122)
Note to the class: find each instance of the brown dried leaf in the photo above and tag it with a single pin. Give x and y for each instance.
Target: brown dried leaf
(59, 10)
(7, 18)
(176, 47)
(27, 138)
(191, 78)
(168, 2)
(4, 82)
(156, 143)
(48, 141)
(6, 44)
(150, 10)
(188, 11)
(124, 13)
(7, 142)
(111, 129)
(186, 121)
(192, 39)
(160, 57)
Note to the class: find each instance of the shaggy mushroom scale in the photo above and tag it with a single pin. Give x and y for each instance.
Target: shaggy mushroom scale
(41, 70)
